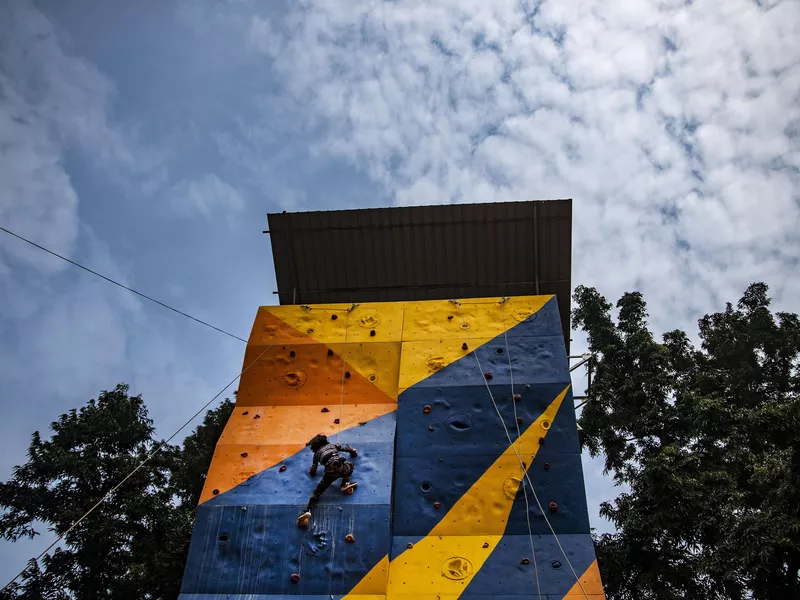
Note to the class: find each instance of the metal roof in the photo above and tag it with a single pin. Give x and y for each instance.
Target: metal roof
(425, 253)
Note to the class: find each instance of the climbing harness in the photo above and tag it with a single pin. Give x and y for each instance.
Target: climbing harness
(465, 326)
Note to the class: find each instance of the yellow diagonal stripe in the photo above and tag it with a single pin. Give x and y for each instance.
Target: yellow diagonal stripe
(485, 506)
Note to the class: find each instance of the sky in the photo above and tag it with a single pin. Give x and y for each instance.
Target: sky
(149, 140)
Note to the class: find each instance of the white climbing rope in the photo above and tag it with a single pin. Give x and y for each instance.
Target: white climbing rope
(519, 458)
(344, 362)
(519, 438)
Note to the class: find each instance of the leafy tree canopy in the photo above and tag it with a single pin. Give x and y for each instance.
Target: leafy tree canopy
(708, 442)
(133, 546)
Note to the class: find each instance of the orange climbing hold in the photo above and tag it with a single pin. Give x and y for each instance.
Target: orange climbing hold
(349, 538)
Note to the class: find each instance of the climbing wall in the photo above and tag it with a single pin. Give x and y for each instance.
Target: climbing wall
(444, 506)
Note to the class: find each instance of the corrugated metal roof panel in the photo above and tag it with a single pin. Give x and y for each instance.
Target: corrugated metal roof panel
(425, 253)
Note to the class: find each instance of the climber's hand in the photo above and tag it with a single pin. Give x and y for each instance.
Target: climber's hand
(312, 470)
(353, 453)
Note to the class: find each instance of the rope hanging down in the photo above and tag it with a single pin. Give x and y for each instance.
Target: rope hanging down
(344, 362)
(519, 458)
(147, 458)
(519, 438)
(123, 286)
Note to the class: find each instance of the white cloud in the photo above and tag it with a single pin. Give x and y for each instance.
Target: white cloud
(209, 196)
(665, 121)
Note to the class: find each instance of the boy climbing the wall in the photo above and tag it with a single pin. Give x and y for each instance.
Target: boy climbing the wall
(335, 466)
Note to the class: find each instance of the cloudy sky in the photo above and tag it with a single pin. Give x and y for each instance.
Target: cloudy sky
(149, 140)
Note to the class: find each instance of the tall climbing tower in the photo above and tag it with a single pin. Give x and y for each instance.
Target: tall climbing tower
(433, 340)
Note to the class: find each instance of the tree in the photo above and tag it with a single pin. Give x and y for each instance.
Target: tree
(134, 545)
(707, 440)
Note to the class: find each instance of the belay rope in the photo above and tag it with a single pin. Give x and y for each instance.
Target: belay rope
(465, 326)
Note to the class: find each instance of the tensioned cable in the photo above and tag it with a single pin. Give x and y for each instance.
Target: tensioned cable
(143, 462)
(123, 286)
(519, 438)
(519, 458)
(344, 362)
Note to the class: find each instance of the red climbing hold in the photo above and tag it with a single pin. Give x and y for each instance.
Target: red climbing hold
(464, 346)
(426, 409)
(256, 416)
(546, 466)
(436, 505)
(334, 317)
(244, 454)
(519, 420)
(349, 538)
(282, 469)
(485, 544)
(347, 374)
(336, 421)
(552, 506)
(488, 376)
(292, 353)
(330, 352)
(325, 409)
(215, 492)
(517, 397)
(541, 441)
(295, 578)
(246, 412)
(372, 333)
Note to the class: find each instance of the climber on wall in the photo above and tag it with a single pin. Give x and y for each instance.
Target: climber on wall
(335, 466)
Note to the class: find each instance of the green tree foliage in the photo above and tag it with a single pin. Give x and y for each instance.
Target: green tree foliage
(133, 546)
(708, 442)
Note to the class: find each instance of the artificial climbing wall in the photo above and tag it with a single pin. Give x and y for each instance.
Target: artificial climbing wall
(430, 394)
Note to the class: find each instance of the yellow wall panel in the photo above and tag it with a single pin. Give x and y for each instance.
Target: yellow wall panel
(441, 319)
(421, 359)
